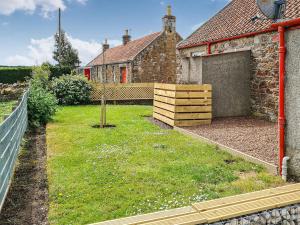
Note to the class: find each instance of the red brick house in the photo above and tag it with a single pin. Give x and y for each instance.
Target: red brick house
(151, 58)
(232, 30)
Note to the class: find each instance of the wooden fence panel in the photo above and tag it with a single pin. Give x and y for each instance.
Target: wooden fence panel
(12, 130)
(183, 105)
(119, 92)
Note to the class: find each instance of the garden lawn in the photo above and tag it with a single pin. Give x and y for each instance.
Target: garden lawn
(137, 167)
(6, 108)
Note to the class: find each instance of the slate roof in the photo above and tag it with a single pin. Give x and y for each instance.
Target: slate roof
(235, 19)
(124, 53)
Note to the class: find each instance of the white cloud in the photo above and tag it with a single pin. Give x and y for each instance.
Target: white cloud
(45, 7)
(83, 2)
(40, 50)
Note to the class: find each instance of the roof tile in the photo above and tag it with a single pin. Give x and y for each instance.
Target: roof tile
(126, 52)
(235, 19)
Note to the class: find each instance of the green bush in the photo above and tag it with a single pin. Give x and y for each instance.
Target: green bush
(71, 90)
(41, 104)
(58, 71)
(10, 75)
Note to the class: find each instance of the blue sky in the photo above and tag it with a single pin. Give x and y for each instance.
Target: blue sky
(27, 26)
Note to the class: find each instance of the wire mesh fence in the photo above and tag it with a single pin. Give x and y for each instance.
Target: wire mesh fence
(12, 130)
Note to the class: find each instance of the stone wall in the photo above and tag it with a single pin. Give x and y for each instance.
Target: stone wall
(11, 91)
(156, 63)
(289, 215)
(112, 73)
(292, 107)
(264, 77)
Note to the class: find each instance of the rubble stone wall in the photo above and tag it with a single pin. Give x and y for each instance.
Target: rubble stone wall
(264, 63)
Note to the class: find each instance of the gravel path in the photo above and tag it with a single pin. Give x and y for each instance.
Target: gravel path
(252, 136)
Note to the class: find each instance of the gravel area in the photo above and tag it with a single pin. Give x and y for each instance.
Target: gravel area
(252, 136)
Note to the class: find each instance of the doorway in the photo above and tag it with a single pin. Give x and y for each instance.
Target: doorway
(123, 78)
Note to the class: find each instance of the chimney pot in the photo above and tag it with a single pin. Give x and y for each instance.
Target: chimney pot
(126, 37)
(105, 45)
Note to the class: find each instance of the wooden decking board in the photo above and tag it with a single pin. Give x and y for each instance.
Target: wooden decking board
(191, 219)
(151, 217)
(212, 204)
(219, 209)
(251, 207)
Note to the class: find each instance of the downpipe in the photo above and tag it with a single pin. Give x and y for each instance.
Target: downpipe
(285, 168)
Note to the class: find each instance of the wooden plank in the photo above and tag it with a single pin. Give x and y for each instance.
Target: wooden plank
(218, 203)
(191, 219)
(191, 94)
(193, 102)
(166, 113)
(190, 123)
(171, 87)
(192, 116)
(171, 94)
(163, 119)
(251, 207)
(165, 106)
(151, 217)
(193, 87)
(183, 87)
(163, 99)
(186, 109)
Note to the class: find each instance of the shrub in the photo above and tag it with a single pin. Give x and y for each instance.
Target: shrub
(41, 104)
(58, 71)
(71, 90)
(42, 73)
(10, 75)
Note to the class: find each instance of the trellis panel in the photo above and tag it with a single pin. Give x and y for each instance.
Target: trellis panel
(121, 92)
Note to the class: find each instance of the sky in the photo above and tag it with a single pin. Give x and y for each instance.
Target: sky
(27, 26)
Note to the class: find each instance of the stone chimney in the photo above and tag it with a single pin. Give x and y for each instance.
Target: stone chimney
(169, 21)
(105, 45)
(126, 37)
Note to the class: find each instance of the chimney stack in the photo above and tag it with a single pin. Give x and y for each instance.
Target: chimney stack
(126, 37)
(105, 45)
(169, 21)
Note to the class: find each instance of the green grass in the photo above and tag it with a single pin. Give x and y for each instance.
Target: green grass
(6, 108)
(102, 174)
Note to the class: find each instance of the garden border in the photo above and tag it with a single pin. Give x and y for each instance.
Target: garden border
(273, 169)
(223, 209)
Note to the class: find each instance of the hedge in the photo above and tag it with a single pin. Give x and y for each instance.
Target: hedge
(10, 75)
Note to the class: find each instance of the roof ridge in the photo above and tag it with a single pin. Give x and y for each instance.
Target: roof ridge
(131, 49)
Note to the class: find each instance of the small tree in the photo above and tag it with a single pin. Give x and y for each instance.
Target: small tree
(64, 53)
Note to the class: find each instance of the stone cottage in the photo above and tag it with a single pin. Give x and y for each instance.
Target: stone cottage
(151, 58)
(228, 43)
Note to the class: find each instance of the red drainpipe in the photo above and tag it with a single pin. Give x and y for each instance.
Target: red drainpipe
(209, 48)
(282, 52)
(281, 116)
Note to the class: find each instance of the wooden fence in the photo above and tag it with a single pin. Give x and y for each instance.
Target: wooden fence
(120, 92)
(12, 130)
(183, 105)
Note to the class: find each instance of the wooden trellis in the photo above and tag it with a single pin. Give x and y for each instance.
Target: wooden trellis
(119, 92)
